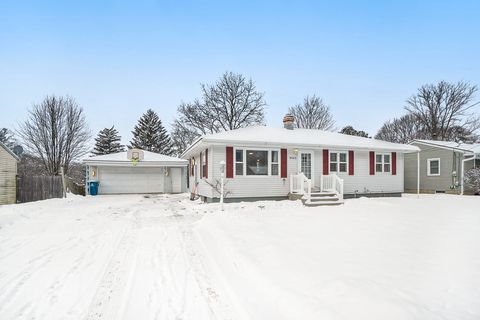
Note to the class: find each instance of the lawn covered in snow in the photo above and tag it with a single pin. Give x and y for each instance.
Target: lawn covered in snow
(165, 257)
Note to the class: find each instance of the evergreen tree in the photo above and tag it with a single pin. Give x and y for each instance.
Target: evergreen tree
(150, 135)
(108, 141)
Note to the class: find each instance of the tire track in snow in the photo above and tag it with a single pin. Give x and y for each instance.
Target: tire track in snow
(104, 303)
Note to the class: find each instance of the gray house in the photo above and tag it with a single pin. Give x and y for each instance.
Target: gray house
(442, 166)
(8, 175)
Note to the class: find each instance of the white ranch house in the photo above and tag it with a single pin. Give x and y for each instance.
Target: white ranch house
(274, 163)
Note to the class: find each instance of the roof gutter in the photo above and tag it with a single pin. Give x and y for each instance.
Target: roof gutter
(299, 145)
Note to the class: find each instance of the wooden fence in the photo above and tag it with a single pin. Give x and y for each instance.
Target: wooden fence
(33, 188)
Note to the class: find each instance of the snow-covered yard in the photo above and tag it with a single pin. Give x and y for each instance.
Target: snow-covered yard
(164, 257)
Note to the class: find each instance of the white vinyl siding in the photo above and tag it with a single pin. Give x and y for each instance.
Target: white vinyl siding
(275, 186)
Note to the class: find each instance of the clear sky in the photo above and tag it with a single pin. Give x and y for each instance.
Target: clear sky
(120, 58)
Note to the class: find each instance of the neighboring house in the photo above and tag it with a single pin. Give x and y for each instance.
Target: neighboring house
(441, 165)
(8, 175)
(137, 171)
(265, 163)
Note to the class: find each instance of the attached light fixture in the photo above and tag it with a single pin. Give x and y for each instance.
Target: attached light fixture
(295, 151)
(94, 173)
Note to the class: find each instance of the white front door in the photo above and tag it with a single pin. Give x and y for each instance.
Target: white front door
(176, 179)
(305, 164)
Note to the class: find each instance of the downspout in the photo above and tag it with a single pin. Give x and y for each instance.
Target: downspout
(463, 168)
(418, 174)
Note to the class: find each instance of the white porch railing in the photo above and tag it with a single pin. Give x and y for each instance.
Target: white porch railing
(300, 184)
(332, 183)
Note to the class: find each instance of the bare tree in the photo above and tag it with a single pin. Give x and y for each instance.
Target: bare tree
(56, 132)
(443, 108)
(312, 114)
(7, 138)
(182, 137)
(401, 130)
(232, 102)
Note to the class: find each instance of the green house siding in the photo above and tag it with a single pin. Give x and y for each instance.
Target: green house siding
(450, 166)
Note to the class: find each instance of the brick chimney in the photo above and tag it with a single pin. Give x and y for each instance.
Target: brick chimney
(288, 121)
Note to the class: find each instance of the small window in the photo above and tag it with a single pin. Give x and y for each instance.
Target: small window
(274, 163)
(239, 162)
(477, 163)
(433, 167)
(204, 163)
(382, 162)
(338, 161)
(257, 162)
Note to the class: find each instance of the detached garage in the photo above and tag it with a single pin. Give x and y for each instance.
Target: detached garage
(137, 171)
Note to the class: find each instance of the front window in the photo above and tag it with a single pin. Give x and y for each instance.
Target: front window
(338, 162)
(257, 163)
(433, 167)
(382, 162)
(274, 163)
(239, 162)
(477, 163)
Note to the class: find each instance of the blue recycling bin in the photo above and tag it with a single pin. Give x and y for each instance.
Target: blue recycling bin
(93, 186)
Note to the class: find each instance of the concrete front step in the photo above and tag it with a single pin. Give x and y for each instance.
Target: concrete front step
(322, 203)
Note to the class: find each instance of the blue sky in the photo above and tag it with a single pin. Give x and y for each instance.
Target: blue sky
(120, 58)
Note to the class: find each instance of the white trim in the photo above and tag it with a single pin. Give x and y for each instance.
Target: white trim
(383, 163)
(428, 167)
(312, 159)
(269, 161)
(430, 144)
(338, 162)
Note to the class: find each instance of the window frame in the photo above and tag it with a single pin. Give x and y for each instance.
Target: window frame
(269, 164)
(429, 174)
(203, 160)
(338, 162)
(383, 163)
(242, 162)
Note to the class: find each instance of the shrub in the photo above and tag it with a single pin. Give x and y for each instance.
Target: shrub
(472, 179)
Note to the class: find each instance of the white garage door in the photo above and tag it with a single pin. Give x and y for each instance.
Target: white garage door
(130, 180)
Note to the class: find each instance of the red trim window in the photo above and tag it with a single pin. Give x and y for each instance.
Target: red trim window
(229, 151)
(284, 163)
(338, 161)
(394, 163)
(325, 161)
(351, 163)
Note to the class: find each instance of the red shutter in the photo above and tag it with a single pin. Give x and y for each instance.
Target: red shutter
(229, 168)
(192, 167)
(351, 163)
(325, 161)
(372, 163)
(206, 164)
(283, 169)
(394, 163)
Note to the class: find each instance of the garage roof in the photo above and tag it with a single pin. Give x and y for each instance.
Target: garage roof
(151, 159)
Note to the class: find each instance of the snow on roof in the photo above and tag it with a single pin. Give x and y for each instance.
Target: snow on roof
(149, 157)
(469, 147)
(299, 137)
(9, 151)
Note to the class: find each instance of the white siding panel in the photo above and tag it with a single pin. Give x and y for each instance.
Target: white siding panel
(8, 180)
(274, 186)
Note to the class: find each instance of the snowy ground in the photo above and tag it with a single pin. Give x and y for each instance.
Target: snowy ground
(164, 257)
